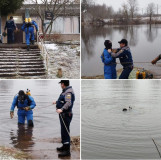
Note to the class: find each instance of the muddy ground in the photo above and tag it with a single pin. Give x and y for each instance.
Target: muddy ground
(132, 75)
(14, 154)
(64, 60)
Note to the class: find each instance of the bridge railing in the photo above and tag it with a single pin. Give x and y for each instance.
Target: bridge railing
(44, 52)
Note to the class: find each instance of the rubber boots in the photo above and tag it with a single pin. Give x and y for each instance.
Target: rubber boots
(155, 60)
(66, 151)
(28, 48)
(60, 149)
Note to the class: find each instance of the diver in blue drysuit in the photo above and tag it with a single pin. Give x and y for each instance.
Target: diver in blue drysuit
(28, 27)
(109, 62)
(25, 104)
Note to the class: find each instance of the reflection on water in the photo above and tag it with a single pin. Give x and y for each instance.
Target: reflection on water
(46, 120)
(23, 139)
(143, 41)
(110, 133)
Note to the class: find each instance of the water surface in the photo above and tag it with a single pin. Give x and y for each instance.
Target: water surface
(46, 121)
(144, 41)
(110, 133)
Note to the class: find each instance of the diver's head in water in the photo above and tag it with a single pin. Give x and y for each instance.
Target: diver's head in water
(21, 96)
(108, 44)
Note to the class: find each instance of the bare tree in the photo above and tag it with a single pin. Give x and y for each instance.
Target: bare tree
(150, 10)
(133, 7)
(125, 11)
(57, 7)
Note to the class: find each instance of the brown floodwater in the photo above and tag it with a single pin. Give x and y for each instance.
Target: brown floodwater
(41, 141)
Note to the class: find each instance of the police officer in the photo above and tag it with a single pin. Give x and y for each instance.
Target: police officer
(109, 62)
(28, 27)
(10, 26)
(125, 56)
(64, 106)
(25, 104)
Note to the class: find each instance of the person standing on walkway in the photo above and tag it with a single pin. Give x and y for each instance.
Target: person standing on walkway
(10, 26)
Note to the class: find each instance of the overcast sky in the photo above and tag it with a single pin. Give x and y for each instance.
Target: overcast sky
(116, 4)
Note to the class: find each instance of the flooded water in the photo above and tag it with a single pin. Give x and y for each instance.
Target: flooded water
(110, 133)
(39, 141)
(144, 41)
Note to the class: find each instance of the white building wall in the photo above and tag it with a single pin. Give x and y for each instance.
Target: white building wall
(65, 25)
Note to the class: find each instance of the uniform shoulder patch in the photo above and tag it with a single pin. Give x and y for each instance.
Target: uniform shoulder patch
(68, 96)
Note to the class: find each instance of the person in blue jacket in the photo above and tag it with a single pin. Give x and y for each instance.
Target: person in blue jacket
(10, 26)
(64, 106)
(28, 27)
(125, 56)
(25, 105)
(109, 62)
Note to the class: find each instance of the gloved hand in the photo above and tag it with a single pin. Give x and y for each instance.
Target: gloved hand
(27, 108)
(11, 114)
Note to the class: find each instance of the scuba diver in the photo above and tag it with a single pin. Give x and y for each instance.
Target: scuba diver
(25, 104)
(28, 27)
(109, 62)
(64, 106)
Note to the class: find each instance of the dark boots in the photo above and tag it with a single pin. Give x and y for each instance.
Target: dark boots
(32, 42)
(65, 150)
(30, 123)
(28, 48)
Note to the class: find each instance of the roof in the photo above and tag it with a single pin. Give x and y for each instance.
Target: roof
(70, 10)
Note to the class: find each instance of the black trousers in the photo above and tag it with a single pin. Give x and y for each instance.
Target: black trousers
(67, 118)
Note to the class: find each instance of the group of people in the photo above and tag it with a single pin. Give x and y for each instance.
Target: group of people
(109, 59)
(27, 27)
(25, 104)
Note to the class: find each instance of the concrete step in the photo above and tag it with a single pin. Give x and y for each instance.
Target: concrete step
(21, 66)
(18, 62)
(19, 57)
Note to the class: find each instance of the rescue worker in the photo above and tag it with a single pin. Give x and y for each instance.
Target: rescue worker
(28, 27)
(25, 104)
(109, 62)
(156, 59)
(125, 56)
(10, 26)
(64, 106)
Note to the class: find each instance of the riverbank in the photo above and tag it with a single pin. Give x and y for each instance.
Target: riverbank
(132, 75)
(15, 154)
(63, 60)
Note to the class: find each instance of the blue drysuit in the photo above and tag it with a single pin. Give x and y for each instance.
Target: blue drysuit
(125, 56)
(29, 31)
(10, 26)
(109, 65)
(22, 114)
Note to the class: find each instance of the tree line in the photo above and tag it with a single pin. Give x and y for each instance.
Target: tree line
(128, 12)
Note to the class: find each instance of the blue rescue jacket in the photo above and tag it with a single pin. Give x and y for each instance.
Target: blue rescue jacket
(10, 25)
(125, 56)
(66, 100)
(26, 26)
(29, 101)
